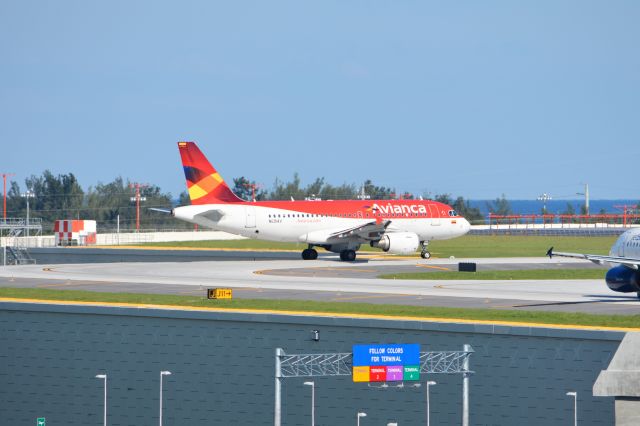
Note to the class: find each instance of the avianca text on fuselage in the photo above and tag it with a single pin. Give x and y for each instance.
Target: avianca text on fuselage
(400, 209)
(397, 226)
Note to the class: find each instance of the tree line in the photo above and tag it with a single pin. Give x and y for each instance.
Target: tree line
(62, 197)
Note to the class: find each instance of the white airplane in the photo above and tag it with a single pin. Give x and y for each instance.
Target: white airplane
(625, 253)
(396, 226)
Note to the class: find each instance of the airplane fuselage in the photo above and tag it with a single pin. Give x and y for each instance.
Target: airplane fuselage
(627, 245)
(307, 221)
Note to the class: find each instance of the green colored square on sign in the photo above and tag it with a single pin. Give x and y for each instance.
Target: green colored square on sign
(40, 421)
(411, 372)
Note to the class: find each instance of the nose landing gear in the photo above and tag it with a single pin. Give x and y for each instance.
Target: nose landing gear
(424, 251)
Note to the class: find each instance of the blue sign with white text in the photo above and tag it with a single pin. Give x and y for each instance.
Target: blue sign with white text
(374, 355)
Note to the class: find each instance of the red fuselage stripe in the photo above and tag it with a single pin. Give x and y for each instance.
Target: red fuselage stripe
(368, 208)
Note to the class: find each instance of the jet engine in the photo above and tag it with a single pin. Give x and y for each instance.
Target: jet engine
(398, 242)
(623, 279)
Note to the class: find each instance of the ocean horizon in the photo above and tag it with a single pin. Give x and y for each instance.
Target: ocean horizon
(557, 206)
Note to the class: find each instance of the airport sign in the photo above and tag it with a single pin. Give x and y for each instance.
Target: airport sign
(386, 363)
(386, 354)
(219, 293)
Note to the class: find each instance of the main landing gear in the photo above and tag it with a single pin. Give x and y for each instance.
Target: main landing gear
(309, 254)
(348, 255)
(424, 251)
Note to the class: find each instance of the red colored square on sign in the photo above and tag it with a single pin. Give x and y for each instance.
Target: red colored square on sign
(378, 374)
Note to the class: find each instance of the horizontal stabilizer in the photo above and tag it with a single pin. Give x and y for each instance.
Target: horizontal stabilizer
(156, 209)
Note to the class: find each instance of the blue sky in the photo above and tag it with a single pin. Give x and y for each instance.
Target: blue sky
(470, 98)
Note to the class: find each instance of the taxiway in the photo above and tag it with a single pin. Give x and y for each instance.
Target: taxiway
(328, 280)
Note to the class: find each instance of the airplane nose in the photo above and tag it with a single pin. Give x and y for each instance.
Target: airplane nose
(466, 226)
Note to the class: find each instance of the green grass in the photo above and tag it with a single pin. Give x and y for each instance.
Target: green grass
(622, 321)
(463, 247)
(518, 246)
(528, 274)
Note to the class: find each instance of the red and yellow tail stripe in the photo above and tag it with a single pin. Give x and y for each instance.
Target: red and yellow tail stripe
(204, 183)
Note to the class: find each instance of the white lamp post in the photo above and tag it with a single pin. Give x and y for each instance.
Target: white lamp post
(104, 376)
(162, 373)
(27, 195)
(544, 198)
(313, 402)
(429, 383)
(361, 414)
(575, 406)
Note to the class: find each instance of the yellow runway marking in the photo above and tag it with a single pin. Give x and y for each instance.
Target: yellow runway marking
(317, 314)
(442, 268)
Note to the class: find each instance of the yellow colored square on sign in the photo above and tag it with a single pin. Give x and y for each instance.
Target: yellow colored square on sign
(361, 374)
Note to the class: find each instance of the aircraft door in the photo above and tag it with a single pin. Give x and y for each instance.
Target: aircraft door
(435, 216)
(250, 214)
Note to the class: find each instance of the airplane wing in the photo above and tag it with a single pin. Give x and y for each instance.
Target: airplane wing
(368, 231)
(599, 259)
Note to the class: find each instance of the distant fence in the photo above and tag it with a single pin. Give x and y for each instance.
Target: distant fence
(578, 232)
(578, 225)
(629, 217)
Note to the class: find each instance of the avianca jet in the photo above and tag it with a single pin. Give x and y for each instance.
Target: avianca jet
(395, 226)
(624, 277)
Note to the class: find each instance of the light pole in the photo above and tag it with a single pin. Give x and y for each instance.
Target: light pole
(575, 407)
(162, 373)
(429, 383)
(27, 195)
(313, 401)
(361, 414)
(544, 198)
(104, 376)
(586, 198)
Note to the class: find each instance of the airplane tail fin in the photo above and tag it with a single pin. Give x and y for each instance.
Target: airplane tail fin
(204, 183)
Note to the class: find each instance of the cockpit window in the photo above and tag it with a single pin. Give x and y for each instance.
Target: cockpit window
(453, 213)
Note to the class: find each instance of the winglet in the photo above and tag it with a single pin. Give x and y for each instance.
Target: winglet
(204, 183)
(550, 252)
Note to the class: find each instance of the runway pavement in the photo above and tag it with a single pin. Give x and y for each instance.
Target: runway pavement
(330, 280)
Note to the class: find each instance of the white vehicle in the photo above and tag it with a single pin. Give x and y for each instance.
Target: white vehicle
(396, 226)
(624, 257)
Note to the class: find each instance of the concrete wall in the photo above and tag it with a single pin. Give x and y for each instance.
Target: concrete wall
(127, 238)
(223, 368)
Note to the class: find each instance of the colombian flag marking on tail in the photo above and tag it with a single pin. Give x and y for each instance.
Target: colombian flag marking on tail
(204, 183)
